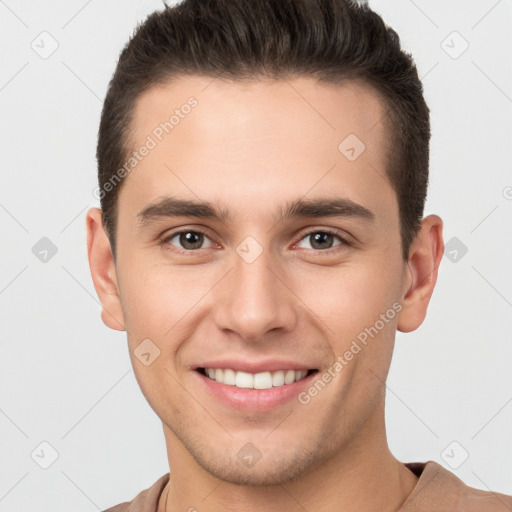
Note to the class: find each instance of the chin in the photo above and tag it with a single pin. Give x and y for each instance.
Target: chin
(281, 468)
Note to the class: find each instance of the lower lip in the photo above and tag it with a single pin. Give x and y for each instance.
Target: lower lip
(254, 399)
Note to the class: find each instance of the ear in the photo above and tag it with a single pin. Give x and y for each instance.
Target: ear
(103, 271)
(425, 255)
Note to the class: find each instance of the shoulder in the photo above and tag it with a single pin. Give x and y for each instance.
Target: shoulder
(145, 501)
(439, 490)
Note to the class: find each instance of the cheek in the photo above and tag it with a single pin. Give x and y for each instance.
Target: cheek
(150, 301)
(349, 298)
(155, 306)
(158, 300)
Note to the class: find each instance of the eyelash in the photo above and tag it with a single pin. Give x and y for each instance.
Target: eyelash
(189, 252)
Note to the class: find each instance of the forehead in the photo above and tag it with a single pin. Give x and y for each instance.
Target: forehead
(236, 143)
(262, 108)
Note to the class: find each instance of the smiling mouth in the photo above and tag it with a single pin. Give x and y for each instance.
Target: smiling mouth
(262, 380)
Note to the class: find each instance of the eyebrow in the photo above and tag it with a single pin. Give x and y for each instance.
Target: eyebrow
(173, 207)
(311, 208)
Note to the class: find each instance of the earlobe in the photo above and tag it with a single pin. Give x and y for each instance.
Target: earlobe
(103, 271)
(425, 256)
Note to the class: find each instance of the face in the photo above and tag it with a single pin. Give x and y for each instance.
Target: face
(293, 263)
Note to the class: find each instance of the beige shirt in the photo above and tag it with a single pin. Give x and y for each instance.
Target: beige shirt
(437, 490)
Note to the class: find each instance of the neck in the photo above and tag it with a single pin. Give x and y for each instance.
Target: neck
(361, 476)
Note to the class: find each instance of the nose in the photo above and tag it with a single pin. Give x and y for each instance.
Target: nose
(255, 299)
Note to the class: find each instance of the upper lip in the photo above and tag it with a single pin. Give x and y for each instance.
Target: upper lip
(268, 365)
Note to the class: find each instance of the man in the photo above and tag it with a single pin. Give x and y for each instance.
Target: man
(263, 169)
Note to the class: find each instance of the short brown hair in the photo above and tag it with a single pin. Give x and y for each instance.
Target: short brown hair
(329, 40)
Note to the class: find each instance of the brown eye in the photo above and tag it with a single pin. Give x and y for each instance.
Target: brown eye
(186, 240)
(191, 240)
(322, 240)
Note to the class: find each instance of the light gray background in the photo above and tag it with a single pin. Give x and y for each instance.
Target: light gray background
(66, 379)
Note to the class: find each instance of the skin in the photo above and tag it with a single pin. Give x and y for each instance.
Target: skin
(250, 149)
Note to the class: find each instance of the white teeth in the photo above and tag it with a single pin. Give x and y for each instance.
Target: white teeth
(300, 374)
(289, 377)
(243, 380)
(278, 378)
(229, 377)
(262, 380)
